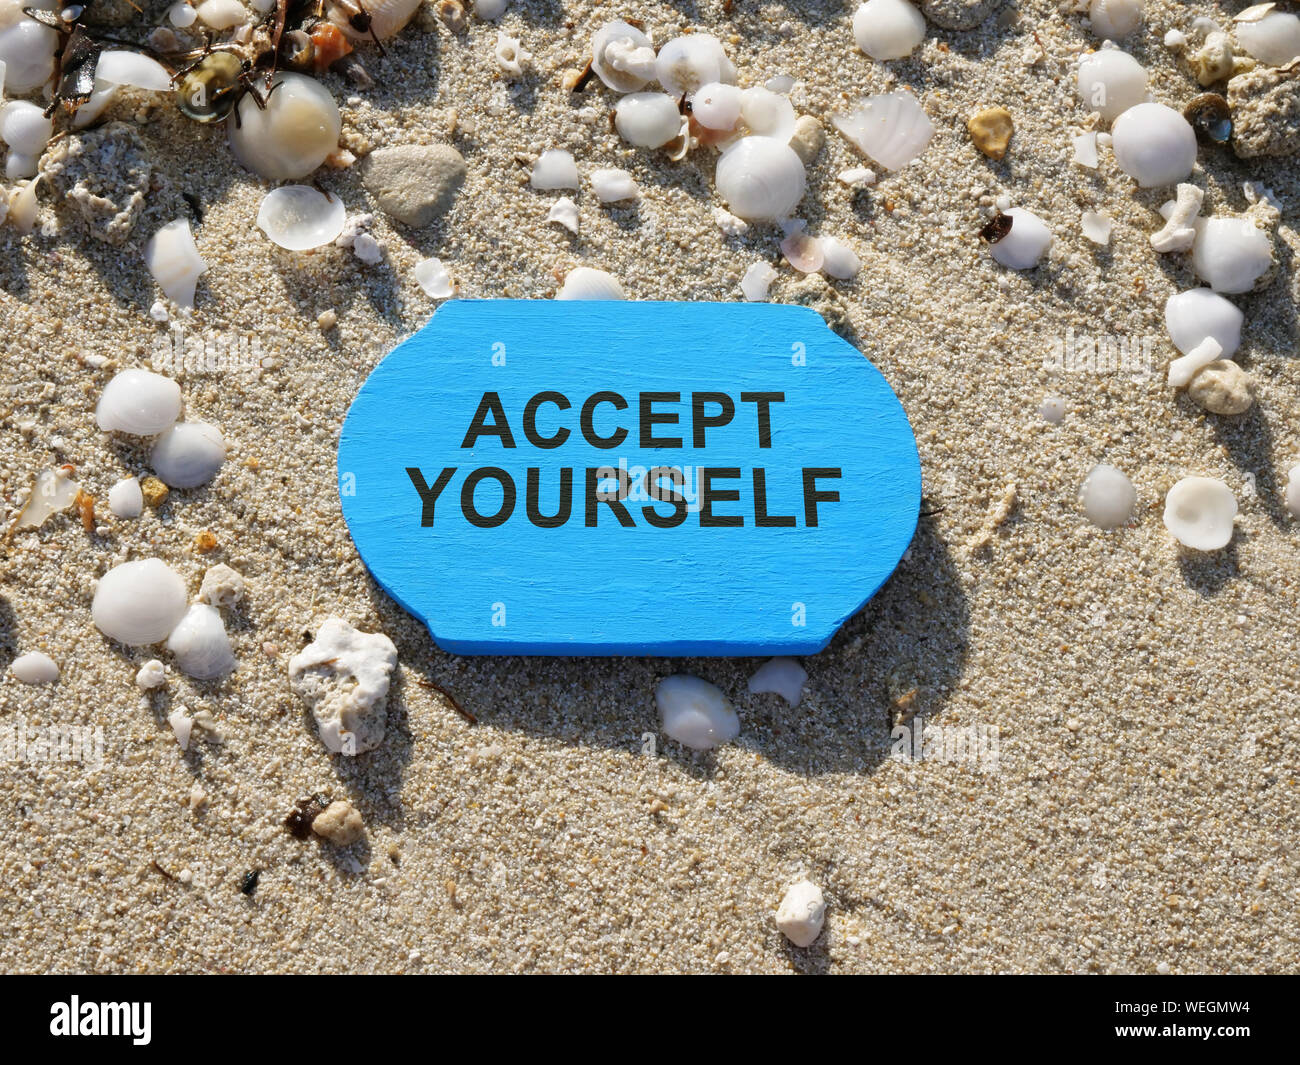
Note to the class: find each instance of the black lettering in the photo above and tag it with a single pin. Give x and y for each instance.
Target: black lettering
(530, 420)
(708, 494)
(488, 521)
(701, 421)
(761, 516)
(428, 496)
(588, 426)
(489, 404)
(655, 490)
(650, 418)
(534, 490)
(762, 400)
(812, 496)
(595, 496)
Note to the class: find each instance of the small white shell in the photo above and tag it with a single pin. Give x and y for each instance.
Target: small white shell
(139, 603)
(564, 212)
(24, 127)
(151, 675)
(27, 50)
(291, 136)
(802, 913)
(125, 499)
(490, 9)
(717, 105)
(18, 165)
(622, 56)
(221, 14)
(188, 454)
(510, 55)
(174, 261)
(1025, 244)
(200, 644)
(139, 403)
(647, 119)
(888, 29)
(1108, 497)
(802, 251)
(1273, 39)
(1154, 145)
(892, 129)
(838, 259)
(1115, 19)
(433, 277)
(686, 63)
(586, 283)
(123, 67)
(1096, 226)
(767, 114)
(35, 667)
(1199, 313)
(761, 178)
(695, 713)
(387, 17)
(1085, 150)
(1199, 511)
(181, 15)
(757, 280)
(611, 185)
(299, 217)
(1110, 82)
(554, 169)
(784, 676)
(1231, 254)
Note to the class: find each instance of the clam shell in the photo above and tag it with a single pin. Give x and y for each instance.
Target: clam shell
(299, 217)
(647, 119)
(1199, 313)
(139, 603)
(188, 454)
(892, 129)
(1110, 82)
(554, 169)
(685, 64)
(139, 403)
(1154, 145)
(1199, 511)
(888, 29)
(761, 178)
(200, 644)
(767, 114)
(586, 283)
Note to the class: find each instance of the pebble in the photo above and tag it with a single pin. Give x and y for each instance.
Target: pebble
(784, 676)
(343, 677)
(1222, 387)
(35, 667)
(1108, 497)
(802, 913)
(695, 713)
(155, 493)
(991, 130)
(1199, 511)
(327, 320)
(340, 823)
(414, 183)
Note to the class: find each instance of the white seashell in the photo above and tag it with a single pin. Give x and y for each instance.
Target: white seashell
(139, 603)
(23, 206)
(174, 261)
(54, 491)
(554, 169)
(802, 913)
(27, 50)
(891, 129)
(647, 119)
(511, 57)
(1199, 313)
(1085, 150)
(433, 277)
(125, 499)
(888, 29)
(1025, 244)
(387, 17)
(717, 106)
(686, 63)
(1096, 226)
(1231, 254)
(1273, 39)
(222, 586)
(122, 67)
(299, 217)
(200, 644)
(1179, 231)
(1199, 512)
(1108, 497)
(767, 114)
(19, 166)
(784, 676)
(181, 723)
(139, 403)
(1175, 39)
(343, 676)
(1154, 145)
(857, 175)
(1052, 409)
(151, 675)
(221, 14)
(24, 127)
(490, 9)
(761, 178)
(1181, 371)
(102, 95)
(622, 56)
(838, 259)
(1110, 82)
(695, 713)
(1114, 19)
(293, 134)
(611, 185)
(188, 454)
(1293, 491)
(801, 251)
(182, 16)
(35, 667)
(564, 212)
(757, 280)
(585, 283)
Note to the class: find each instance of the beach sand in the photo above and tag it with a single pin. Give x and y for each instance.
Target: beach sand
(1141, 811)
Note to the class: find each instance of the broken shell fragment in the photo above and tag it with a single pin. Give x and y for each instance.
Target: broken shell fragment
(174, 261)
(802, 913)
(611, 185)
(891, 129)
(1273, 39)
(1199, 313)
(761, 178)
(784, 676)
(554, 169)
(188, 454)
(1231, 254)
(291, 135)
(564, 212)
(433, 277)
(299, 217)
(757, 280)
(200, 645)
(1183, 369)
(54, 491)
(838, 259)
(1179, 230)
(139, 603)
(384, 18)
(695, 713)
(139, 403)
(1199, 511)
(120, 66)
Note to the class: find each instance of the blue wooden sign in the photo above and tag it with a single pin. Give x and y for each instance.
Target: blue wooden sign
(567, 477)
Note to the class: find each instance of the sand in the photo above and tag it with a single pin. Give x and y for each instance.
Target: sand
(1142, 810)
